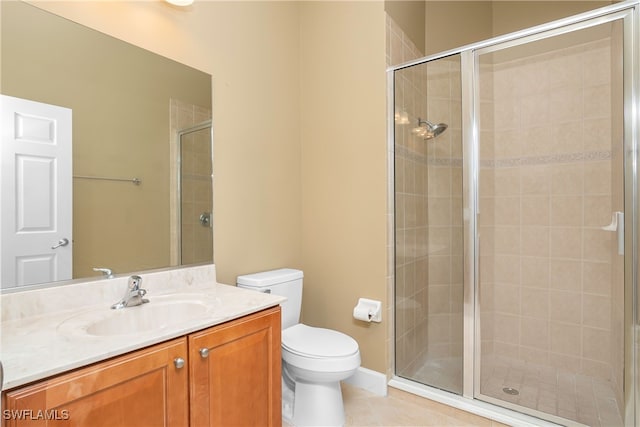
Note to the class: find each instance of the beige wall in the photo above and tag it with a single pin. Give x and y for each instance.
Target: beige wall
(251, 50)
(344, 177)
(299, 139)
(447, 25)
(511, 16)
(409, 15)
(450, 24)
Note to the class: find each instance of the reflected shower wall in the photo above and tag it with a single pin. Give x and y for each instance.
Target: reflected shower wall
(428, 225)
(191, 186)
(196, 196)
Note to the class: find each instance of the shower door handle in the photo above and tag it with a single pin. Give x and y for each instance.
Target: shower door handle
(617, 225)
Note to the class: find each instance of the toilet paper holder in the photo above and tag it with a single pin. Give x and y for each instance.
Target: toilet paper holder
(368, 310)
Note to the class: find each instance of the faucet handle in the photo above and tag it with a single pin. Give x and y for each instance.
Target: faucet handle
(134, 283)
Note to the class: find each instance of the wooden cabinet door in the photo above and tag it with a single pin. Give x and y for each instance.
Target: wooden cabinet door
(237, 382)
(143, 388)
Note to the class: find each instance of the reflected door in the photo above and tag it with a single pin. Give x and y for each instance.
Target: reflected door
(36, 183)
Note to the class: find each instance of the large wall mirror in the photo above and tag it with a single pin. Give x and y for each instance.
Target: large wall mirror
(139, 180)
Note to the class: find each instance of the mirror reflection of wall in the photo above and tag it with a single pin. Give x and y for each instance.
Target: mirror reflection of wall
(121, 99)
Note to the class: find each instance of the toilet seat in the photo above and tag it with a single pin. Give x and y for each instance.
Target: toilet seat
(319, 351)
(308, 341)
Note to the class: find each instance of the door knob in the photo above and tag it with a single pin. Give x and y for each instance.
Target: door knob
(61, 242)
(178, 362)
(204, 353)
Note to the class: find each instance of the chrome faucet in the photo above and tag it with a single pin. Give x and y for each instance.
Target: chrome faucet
(133, 295)
(106, 272)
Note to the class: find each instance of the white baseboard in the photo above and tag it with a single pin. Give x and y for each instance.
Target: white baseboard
(369, 380)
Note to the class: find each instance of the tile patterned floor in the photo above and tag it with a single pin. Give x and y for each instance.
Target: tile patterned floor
(399, 408)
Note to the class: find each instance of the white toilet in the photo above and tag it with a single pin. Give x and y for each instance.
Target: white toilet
(314, 360)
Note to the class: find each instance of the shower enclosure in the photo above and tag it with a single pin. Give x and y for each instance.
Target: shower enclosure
(515, 194)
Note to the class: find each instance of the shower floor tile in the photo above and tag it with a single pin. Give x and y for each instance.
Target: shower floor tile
(576, 397)
(586, 400)
(445, 374)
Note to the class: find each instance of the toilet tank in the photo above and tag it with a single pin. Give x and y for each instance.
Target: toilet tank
(285, 282)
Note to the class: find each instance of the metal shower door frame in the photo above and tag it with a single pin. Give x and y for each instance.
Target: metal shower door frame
(629, 12)
(207, 124)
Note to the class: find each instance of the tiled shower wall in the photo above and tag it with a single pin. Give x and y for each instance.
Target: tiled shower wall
(196, 197)
(197, 194)
(546, 191)
(409, 218)
(617, 204)
(428, 210)
(444, 210)
(551, 288)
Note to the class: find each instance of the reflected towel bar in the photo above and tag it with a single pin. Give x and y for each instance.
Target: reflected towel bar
(136, 181)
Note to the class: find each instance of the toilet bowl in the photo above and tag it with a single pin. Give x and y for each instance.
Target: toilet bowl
(314, 360)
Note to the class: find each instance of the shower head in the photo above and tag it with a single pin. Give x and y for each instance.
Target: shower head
(429, 130)
(435, 129)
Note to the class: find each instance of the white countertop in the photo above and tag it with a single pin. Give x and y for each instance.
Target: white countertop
(36, 344)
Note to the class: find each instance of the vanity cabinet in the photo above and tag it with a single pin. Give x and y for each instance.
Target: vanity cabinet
(143, 388)
(228, 374)
(234, 373)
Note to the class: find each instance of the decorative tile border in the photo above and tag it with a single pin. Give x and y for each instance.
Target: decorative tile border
(589, 156)
(454, 163)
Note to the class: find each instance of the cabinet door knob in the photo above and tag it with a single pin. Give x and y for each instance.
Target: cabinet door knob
(204, 353)
(179, 362)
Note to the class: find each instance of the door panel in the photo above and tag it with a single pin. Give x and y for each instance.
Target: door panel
(36, 178)
(550, 179)
(235, 372)
(144, 388)
(429, 224)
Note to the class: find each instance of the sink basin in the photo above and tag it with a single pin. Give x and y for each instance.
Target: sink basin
(133, 320)
(160, 313)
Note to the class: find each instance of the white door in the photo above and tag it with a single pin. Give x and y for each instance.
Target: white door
(35, 193)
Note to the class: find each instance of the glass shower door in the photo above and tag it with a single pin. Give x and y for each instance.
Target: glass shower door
(551, 187)
(428, 224)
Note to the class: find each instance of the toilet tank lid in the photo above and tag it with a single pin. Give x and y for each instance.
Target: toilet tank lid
(268, 278)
